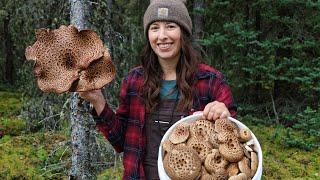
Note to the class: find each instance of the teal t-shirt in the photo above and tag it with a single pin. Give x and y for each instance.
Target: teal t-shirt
(166, 90)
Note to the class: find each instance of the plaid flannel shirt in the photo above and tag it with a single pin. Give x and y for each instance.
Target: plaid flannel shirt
(124, 129)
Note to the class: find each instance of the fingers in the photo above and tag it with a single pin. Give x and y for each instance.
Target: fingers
(215, 110)
(91, 96)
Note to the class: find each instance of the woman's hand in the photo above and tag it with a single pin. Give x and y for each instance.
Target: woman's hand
(96, 98)
(215, 110)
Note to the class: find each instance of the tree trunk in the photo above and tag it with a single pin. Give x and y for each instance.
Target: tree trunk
(81, 121)
(109, 30)
(9, 66)
(198, 19)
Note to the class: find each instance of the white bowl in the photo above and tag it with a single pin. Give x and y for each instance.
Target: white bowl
(162, 173)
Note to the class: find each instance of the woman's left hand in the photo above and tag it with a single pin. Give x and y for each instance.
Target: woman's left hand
(215, 110)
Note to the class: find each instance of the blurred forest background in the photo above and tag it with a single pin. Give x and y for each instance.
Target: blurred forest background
(268, 49)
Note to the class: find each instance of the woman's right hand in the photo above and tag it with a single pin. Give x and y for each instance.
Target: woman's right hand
(96, 98)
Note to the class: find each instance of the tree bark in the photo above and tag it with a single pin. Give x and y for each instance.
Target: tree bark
(109, 29)
(9, 66)
(81, 121)
(198, 19)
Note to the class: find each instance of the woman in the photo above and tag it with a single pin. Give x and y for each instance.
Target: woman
(170, 84)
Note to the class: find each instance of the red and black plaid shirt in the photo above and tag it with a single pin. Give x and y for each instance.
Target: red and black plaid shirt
(124, 129)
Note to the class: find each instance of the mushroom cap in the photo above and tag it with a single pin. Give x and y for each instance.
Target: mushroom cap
(244, 166)
(60, 54)
(202, 129)
(207, 177)
(182, 163)
(241, 176)
(167, 145)
(245, 135)
(99, 73)
(225, 125)
(215, 163)
(180, 133)
(231, 151)
(226, 136)
(213, 139)
(203, 148)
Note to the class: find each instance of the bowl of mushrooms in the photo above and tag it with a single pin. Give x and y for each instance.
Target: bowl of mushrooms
(195, 148)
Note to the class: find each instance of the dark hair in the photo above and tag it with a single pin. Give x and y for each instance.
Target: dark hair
(186, 70)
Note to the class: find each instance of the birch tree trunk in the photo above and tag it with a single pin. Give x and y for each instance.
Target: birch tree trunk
(81, 120)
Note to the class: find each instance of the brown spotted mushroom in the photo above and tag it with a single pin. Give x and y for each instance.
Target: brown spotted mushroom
(203, 148)
(98, 74)
(180, 133)
(182, 163)
(231, 150)
(215, 163)
(202, 129)
(224, 124)
(167, 145)
(218, 145)
(62, 54)
(245, 135)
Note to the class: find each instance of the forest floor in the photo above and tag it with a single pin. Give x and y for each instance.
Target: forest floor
(26, 155)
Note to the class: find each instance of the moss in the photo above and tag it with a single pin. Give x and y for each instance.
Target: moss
(112, 173)
(22, 157)
(10, 103)
(282, 162)
(12, 126)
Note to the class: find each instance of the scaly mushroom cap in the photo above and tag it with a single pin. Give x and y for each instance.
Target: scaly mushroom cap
(182, 163)
(226, 136)
(213, 139)
(245, 135)
(215, 163)
(226, 125)
(241, 176)
(207, 177)
(231, 151)
(167, 145)
(203, 148)
(60, 54)
(180, 133)
(99, 73)
(202, 129)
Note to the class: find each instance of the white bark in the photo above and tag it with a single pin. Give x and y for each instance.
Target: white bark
(81, 120)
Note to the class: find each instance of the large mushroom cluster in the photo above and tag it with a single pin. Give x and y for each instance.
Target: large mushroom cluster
(70, 60)
(208, 150)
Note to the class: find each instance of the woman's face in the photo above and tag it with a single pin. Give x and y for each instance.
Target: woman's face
(165, 39)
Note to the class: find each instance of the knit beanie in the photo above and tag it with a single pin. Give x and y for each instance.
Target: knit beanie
(168, 10)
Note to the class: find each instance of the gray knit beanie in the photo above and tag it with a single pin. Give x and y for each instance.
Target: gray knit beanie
(168, 10)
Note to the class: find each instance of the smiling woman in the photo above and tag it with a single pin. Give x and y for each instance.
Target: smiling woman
(164, 38)
(171, 83)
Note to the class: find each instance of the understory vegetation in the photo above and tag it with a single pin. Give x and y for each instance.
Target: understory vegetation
(288, 153)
